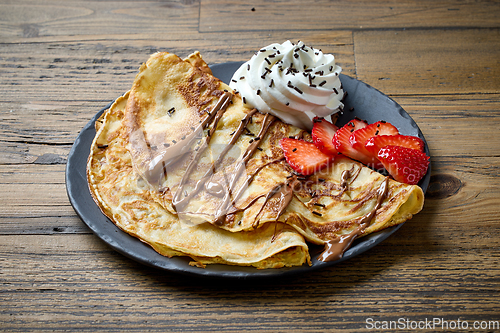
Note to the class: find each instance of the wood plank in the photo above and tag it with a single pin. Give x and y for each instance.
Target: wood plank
(15, 151)
(76, 282)
(34, 191)
(30, 19)
(224, 15)
(429, 61)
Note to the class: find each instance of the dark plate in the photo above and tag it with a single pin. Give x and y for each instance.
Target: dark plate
(368, 103)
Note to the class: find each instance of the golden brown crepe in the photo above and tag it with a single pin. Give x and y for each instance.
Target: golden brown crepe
(184, 143)
(125, 198)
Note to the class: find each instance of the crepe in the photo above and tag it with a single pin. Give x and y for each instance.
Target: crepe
(124, 197)
(199, 159)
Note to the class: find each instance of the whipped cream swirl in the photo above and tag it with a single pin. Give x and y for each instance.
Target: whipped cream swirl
(294, 82)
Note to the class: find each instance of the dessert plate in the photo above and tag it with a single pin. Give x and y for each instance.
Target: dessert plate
(362, 101)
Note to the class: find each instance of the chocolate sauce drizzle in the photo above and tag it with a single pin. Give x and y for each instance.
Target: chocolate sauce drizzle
(180, 202)
(157, 166)
(281, 194)
(345, 176)
(334, 249)
(226, 191)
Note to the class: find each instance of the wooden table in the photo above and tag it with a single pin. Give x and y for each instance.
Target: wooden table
(62, 61)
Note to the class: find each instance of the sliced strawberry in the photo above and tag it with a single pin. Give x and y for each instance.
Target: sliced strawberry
(304, 157)
(359, 137)
(341, 138)
(358, 123)
(405, 165)
(322, 135)
(374, 144)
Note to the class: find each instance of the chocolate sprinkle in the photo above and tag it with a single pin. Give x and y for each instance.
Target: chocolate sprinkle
(298, 90)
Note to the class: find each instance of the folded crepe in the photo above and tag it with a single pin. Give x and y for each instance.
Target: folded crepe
(125, 198)
(207, 164)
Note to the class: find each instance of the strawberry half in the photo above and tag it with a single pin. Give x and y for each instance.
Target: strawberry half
(405, 165)
(341, 138)
(374, 144)
(304, 157)
(359, 137)
(322, 135)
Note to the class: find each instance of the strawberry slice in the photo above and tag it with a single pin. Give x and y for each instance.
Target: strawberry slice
(304, 157)
(357, 123)
(322, 135)
(405, 165)
(341, 138)
(374, 144)
(359, 137)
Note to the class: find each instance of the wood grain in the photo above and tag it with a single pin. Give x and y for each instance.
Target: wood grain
(30, 19)
(62, 61)
(223, 15)
(77, 281)
(429, 61)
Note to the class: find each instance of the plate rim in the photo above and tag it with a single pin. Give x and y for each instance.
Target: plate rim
(181, 264)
